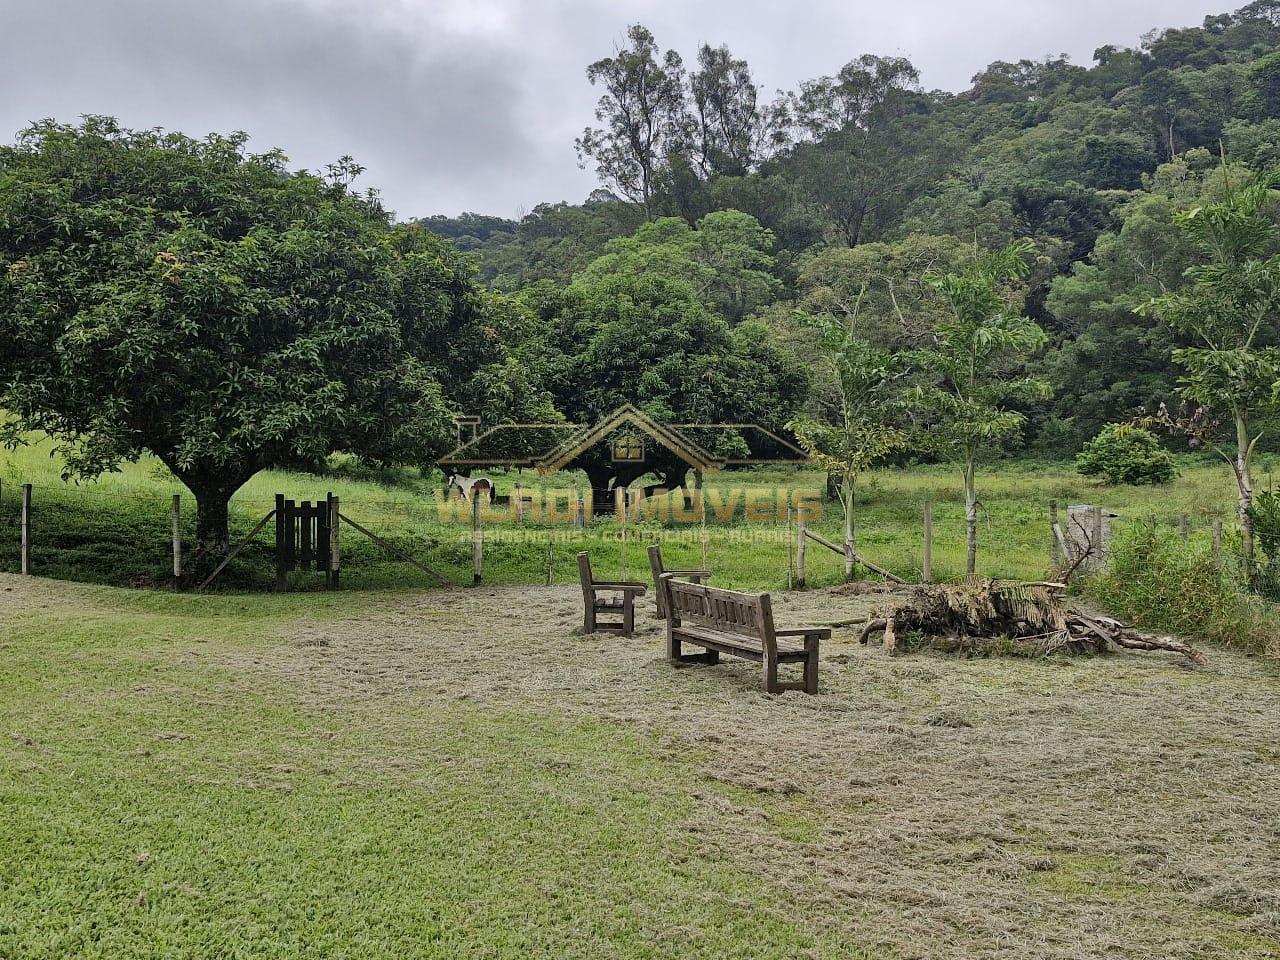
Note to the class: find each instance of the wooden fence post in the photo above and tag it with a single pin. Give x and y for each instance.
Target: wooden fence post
(176, 518)
(620, 510)
(800, 549)
(335, 545)
(1099, 548)
(519, 503)
(790, 565)
(926, 567)
(26, 529)
(551, 557)
(477, 542)
(1217, 541)
(1055, 549)
(283, 532)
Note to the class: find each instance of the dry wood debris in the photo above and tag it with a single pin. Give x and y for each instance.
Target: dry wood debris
(1033, 616)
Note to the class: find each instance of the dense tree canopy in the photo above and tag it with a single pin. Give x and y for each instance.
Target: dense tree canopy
(612, 338)
(1089, 162)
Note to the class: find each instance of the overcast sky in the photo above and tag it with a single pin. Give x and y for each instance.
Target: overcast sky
(474, 104)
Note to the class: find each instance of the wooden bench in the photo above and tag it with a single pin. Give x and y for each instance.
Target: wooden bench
(655, 565)
(593, 603)
(741, 625)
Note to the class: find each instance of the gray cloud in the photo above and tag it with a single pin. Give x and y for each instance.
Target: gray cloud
(474, 104)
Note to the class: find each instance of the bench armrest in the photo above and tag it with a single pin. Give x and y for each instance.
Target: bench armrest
(823, 632)
(629, 586)
(690, 574)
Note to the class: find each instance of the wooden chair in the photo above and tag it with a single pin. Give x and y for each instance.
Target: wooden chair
(655, 565)
(741, 625)
(593, 603)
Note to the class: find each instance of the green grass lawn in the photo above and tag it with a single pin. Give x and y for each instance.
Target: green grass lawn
(116, 530)
(156, 804)
(444, 775)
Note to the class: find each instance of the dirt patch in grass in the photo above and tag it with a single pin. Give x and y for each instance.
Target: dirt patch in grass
(935, 807)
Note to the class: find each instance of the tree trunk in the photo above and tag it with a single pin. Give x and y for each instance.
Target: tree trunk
(213, 533)
(848, 502)
(970, 517)
(601, 496)
(1244, 481)
(213, 493)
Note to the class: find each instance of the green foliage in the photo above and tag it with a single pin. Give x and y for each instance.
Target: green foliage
(727, 260)
(862, 407)
(642, 112)
(732, 131)
(1091, 162)
(1158, 582)
(1124, 453)
(648, 338)
(879, 287)
(183, 297)
(972, 371)
(1265, 512)
(1112, 363)
(1229, 308)
(973, 361)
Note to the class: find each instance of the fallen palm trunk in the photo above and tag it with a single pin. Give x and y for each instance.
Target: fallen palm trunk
(1031, 616)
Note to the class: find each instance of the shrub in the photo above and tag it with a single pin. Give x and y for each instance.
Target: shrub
(1123, 453)
(1266, 523)
(1158, 582)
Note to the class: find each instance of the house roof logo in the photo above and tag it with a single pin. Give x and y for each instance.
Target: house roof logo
(550, 447)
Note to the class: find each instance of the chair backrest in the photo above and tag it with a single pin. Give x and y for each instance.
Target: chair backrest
(584, 573)
(729, 611)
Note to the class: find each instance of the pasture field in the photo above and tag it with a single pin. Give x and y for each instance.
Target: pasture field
(457, 774)
(116, 530)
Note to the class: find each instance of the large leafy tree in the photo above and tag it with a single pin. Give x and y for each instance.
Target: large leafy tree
(643, 116)
(183, 297)
(1110, 363)
(649, 340)
(974, 367)
(873, 146)
(733, 131)
(727, 260)
(855, 97)
(879, 287)
(1230, 307)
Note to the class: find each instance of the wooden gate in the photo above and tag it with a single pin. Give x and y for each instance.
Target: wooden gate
(307, 539)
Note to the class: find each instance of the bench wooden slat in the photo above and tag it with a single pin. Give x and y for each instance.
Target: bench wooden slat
(658, 568)
(730, 642)
(739, 624)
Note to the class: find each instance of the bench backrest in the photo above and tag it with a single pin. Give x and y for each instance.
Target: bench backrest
(655, 565)
(656, 568)
(728, 611)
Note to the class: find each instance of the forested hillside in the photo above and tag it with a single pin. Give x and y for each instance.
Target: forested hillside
(852, 187)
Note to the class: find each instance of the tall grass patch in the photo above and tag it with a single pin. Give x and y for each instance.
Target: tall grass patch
(1159, 582)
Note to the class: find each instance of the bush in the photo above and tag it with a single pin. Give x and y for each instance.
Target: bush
(1123, 453)
(1157, 582)
(1266, 523)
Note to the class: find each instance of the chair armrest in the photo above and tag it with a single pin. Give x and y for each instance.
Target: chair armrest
(628, 586)
(823, 632)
